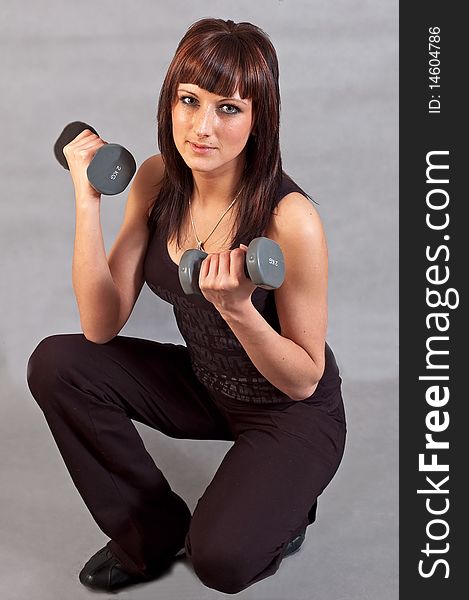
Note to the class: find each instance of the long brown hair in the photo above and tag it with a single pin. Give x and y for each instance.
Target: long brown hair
(222, 57)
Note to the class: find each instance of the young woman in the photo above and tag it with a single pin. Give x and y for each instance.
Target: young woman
(255, 369)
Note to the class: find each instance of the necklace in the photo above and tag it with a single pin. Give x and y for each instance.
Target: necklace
(200, 243)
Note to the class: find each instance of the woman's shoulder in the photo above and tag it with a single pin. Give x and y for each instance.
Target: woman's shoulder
(295, 216)
(287, 186)
(151, 171)
(147, 182)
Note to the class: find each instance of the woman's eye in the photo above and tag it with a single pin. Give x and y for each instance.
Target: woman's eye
(189, 100)
(230, 109)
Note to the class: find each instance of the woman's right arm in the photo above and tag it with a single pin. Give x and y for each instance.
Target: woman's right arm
(106, 288)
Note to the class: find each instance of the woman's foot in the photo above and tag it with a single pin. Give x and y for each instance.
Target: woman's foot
(104, 572)
(294, 544)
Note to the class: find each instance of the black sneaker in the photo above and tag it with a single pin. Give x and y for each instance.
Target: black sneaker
(104, 572)
(294, 544)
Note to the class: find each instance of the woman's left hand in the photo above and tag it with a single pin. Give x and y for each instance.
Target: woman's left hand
(223, 282)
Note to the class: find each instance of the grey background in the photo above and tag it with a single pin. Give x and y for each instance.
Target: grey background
(104, 62)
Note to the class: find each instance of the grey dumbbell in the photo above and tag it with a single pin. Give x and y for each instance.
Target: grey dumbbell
(111, 168)
(264, 266)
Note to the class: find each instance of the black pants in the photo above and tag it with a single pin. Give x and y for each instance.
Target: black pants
(263, 494)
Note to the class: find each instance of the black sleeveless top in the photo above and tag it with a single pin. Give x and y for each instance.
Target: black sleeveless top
(218, 359)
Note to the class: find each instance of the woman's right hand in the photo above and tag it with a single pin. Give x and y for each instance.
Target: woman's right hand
(79, 153)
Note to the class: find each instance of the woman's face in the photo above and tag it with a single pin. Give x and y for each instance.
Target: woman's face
(210, 131)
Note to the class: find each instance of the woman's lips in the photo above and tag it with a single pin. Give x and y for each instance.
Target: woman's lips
(200, 149)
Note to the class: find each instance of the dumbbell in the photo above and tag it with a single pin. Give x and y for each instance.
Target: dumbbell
(264, 266)
(111, 168)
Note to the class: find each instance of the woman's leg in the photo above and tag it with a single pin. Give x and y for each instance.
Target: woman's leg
(264, 493)
(89, 393)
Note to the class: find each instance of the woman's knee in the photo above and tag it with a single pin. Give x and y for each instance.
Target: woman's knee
(50, 364)
(222, 566)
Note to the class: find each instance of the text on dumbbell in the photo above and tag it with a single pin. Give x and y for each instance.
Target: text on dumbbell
(274, 262)
(116, 172)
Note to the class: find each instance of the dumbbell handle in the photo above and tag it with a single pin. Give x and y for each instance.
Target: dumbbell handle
(189, 269)
(264, 266)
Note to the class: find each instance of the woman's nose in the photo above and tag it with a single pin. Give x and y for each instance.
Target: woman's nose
(203, 123)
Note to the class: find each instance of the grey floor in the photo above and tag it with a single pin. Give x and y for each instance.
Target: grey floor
(103, 63)
(350, 553)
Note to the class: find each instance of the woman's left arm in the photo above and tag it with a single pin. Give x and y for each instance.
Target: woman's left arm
(292, 360)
